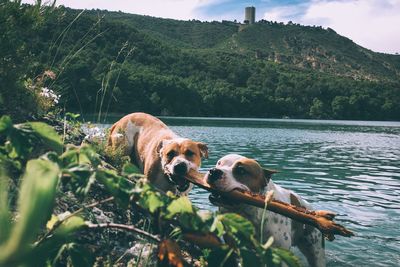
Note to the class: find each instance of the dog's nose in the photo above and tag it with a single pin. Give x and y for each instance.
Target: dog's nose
(180, 168)
(214, 174)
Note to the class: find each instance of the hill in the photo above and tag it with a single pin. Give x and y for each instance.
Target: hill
(117, 62)
(302, 46)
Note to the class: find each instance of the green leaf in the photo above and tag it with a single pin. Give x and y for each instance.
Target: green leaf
(5, 124)
(129, 168)
(235, 223)
(55, 245)
(221, 257)
(69, 226)
(72, 115)
(249, 258)
(48, 135)
(116, 185)
(35, 206)
(88, 156)
(287, 257)
(5, 219)
(217, 226)
(180, 205)
(81, 179)
(151, 201)
(80, 256)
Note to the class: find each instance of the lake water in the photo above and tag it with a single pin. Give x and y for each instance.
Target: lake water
(349, 167)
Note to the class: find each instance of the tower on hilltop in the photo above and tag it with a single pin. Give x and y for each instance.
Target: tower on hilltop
(250, 15)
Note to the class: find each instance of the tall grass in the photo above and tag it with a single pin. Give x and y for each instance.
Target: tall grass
(87, 38)
(106, 89)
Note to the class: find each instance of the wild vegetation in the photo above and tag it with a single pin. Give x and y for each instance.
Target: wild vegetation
(64, 205)
(116, 62)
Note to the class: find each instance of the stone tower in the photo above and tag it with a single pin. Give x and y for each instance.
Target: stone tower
(250, 15)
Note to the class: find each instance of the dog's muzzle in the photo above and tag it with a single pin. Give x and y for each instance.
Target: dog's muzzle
(213, 175)
(180, 182)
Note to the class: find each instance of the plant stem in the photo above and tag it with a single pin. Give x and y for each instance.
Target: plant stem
(57, 224)
(129, 228)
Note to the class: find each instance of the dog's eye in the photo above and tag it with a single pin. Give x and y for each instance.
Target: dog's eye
(189, 153)
(171, 154)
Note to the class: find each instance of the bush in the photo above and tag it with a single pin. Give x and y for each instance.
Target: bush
(36, 232)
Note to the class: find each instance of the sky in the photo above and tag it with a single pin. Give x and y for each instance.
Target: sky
(374, 24)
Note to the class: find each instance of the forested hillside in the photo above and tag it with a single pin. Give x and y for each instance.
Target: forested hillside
(116, 62)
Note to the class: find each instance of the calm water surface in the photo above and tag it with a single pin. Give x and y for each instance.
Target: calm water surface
(350, 167)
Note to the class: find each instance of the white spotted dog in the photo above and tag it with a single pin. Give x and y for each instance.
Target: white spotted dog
(238, 172)
(162, 155)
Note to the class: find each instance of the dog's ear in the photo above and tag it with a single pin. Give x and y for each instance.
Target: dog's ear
(203, 149)
(268, 173)
(159, 148)
(161, 145)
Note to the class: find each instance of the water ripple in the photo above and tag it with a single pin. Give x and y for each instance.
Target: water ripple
(353, 170)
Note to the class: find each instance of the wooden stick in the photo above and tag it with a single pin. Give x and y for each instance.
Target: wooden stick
(323, 220)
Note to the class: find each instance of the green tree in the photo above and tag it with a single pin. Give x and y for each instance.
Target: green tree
(317, 110)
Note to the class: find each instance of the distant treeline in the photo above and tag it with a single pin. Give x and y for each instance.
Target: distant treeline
(104, 61)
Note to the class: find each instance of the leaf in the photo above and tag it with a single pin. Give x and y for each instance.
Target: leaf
(57, 244)
(80, 256)
(237, 224)
(5, 219)
(129, 168)
(116, 185)
(249, 258)
(81, 179)
(35, 206)
(88, 156)
(48, 135)
(69, 226)
(286, 256)
(5, 125)
(151, 201)
(180, 205)
(169, 254)
(70, 157)
(53, 221)
(217, 226)
(221, 257)
(73, 116)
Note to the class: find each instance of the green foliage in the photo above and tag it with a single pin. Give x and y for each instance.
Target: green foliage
(38, 237)
(193, 68)
(35, 204)
(181, 205)
(281, 255)
(237, 224)
(47, 135)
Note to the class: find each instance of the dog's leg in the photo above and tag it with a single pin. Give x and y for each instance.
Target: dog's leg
(312, 246)
(308, 239)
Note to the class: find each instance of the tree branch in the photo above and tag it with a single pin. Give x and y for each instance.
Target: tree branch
(323, 220)
(129, 228)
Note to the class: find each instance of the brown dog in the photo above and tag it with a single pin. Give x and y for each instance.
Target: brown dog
(162, 155)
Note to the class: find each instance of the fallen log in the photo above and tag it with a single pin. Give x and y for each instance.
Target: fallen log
(322, 220)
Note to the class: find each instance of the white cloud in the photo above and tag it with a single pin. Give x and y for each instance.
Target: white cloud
(177, 9)
(374, 24)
